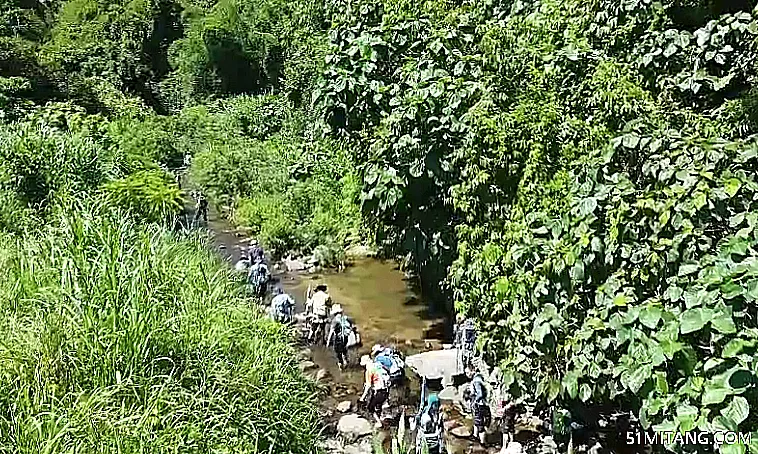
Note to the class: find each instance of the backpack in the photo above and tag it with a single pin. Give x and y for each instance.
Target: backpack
(384, 376)
(345, 328)
(468, 333)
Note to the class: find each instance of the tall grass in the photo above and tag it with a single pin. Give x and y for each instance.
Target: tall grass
(121, 338)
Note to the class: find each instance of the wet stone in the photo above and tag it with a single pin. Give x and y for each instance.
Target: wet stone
(344, 406)
(461, 432)
(353, 427)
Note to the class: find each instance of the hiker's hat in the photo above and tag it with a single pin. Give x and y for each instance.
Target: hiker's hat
(336, 309)
(376, 349)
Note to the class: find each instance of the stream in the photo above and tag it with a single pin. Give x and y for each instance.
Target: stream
(376, 295)
(386, 310)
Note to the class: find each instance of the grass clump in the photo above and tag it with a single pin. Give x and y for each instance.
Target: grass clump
(123, 338)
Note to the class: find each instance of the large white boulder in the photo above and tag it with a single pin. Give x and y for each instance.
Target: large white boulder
(353, 427)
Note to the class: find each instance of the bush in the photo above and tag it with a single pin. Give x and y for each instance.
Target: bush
(41, 163)
(124, 338)
(295, 193)
(151, 194)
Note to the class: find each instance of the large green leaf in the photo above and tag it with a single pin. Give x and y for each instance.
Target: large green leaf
(738, 409)
(650, 315)
(714, 394)
(695, 319)
(731, 186)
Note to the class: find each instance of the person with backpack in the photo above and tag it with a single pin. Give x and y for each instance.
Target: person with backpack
(476, 394)
(339, 334)
(258, 276)
(255, 252)
(201, 208)
(430, 427)
(375, 389)
(391, 360)
(465, 340)
(282, 306)
(317, 307)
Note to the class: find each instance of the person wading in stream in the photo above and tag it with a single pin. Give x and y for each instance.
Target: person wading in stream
(282, 306)
(391, 360)
(476, 393)
(339, 334)
(430, 426)
(255, 252)
(317, 307)
(465, 340)
(258, 277)
(201, 209)
(375, 390)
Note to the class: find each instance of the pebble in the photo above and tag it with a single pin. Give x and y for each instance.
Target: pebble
(363, 447)
(344, 406)
(331, 446)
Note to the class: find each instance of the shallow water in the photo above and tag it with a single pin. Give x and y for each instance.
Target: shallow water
(372, 292)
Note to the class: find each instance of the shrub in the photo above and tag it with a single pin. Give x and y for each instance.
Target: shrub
(151, 194)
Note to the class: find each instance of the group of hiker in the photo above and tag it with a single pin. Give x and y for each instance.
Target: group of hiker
(384, 366)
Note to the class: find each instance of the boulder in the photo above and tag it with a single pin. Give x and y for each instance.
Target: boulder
(344, 406)
(449, 393)
(307, 365)
(513, 447)
(353, 427)
(461, 432)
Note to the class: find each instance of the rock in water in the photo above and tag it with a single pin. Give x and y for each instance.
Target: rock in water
(514, 447)
(344, 406)
(461, 432)
(449, 393)
(353, 427)
(307, 365)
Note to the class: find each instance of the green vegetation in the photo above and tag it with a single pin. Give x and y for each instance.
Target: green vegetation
(254, 157)
(578, 175)
(122, 338)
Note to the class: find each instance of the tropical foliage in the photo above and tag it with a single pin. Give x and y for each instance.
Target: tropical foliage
(578, 175)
